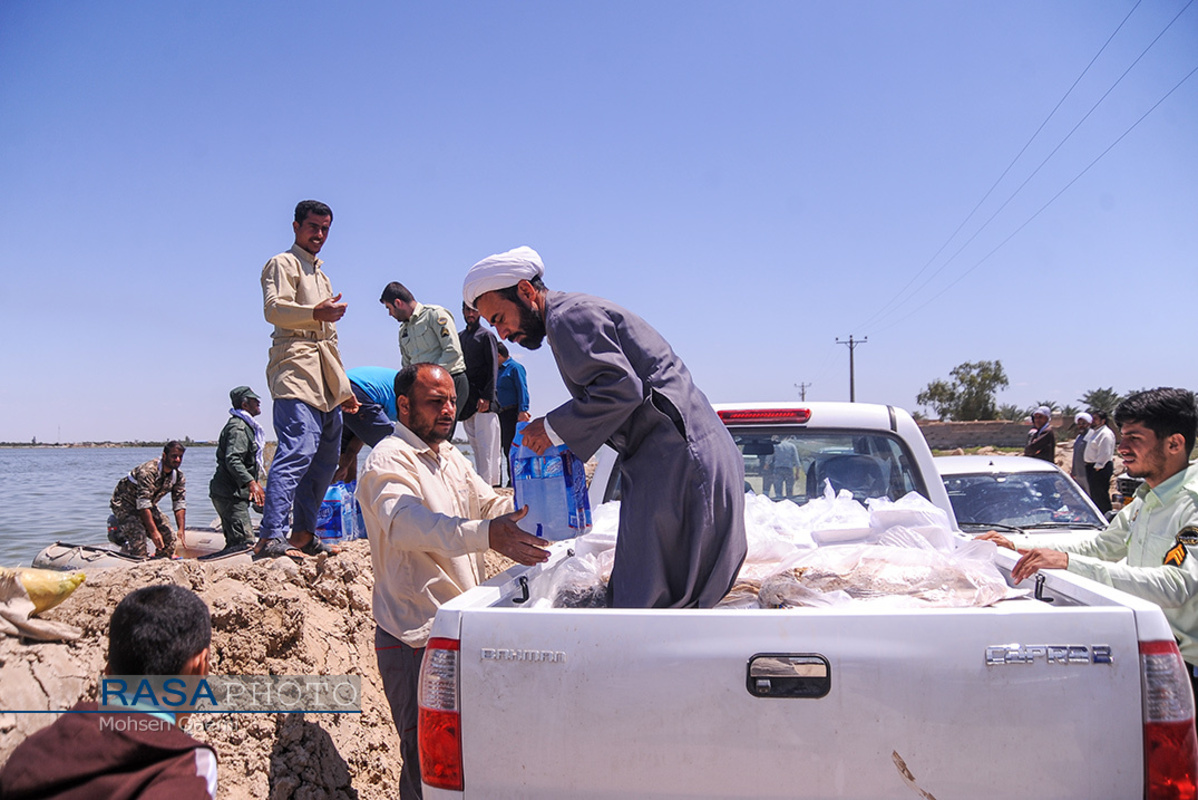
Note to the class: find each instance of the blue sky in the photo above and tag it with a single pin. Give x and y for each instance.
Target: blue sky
(756, 179)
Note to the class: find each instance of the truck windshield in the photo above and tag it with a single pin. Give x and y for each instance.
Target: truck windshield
(794, 465)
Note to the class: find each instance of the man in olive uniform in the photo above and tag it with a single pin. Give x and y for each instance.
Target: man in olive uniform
(426, 335)
(135, 504)
(238, 467)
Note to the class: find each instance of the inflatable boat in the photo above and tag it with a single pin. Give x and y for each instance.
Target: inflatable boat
(204, 544)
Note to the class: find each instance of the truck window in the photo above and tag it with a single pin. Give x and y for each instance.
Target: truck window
(790, 465)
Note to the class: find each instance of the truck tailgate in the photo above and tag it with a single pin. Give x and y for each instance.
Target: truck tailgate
(635, 703)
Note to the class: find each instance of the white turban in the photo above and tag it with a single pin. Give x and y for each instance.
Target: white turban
(1083, 417)
(501, 271)
(1043, 410)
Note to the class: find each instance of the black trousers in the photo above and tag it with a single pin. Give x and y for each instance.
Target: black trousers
(1100, 485)
(508, 417)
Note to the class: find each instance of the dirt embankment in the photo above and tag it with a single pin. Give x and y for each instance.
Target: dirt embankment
(267, 618)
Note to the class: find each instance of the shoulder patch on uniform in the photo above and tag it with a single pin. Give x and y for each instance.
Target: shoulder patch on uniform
(442, 319)
(445, 333)
(1188, 535)
(1176, 555)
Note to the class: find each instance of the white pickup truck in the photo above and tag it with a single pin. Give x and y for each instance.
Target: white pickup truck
(1076, 691)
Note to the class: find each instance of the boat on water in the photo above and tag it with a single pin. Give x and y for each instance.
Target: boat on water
(204, 544)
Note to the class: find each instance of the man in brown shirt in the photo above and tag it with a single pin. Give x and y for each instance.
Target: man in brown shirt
(307, 384)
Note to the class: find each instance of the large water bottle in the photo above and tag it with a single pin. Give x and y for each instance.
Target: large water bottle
(548, 485)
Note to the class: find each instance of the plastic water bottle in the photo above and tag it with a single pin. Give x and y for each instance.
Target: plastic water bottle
(541, 482)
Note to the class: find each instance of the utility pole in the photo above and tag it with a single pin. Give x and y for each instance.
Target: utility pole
(802, 387)
(852, 345)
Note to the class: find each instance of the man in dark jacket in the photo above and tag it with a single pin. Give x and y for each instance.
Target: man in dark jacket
(478, 412)
(156, 630)
(238, 466)
(1041, 441)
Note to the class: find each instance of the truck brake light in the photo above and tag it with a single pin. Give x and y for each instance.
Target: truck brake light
(440, 729)
(1170, 740)
(764, 415)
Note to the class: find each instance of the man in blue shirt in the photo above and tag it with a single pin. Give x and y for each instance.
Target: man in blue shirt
(374, 421)
(511, 392)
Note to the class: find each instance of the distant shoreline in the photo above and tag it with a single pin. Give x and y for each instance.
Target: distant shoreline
(66, 445)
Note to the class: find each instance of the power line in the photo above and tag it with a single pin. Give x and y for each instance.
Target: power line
(1051, 200)
(852, 345)
(898, 298)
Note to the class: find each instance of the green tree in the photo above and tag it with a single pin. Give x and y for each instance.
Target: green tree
(1011, 412)
(970, 393)
(1101, 400)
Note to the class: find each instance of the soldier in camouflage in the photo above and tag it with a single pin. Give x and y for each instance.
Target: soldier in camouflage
(135, 504)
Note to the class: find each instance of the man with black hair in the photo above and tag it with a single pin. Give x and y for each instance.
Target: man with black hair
(479, 412)
(1145, 550)
(430, 519)
(155, 630)
(426, 334)
(1100, 461)
(308, 385)
(135, 499)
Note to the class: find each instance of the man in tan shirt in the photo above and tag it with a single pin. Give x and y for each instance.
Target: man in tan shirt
(430, 519)
(307, 384)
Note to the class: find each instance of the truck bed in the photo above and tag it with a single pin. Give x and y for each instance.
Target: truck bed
(642, 703)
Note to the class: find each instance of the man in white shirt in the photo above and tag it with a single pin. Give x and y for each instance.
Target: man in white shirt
(430, 518)
(1100, 460)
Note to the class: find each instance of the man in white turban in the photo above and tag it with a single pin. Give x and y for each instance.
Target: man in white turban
(682, 532)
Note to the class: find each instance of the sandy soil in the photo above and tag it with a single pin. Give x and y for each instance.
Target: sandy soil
(269, 617)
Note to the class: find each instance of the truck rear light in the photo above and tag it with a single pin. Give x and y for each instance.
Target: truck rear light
(1170, 740)
(791, 415)
(440, 729)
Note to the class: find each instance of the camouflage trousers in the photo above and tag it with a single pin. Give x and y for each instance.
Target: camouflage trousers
(130, 534)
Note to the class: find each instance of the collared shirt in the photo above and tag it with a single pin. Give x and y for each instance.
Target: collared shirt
(1145, 551)
(1100, 446)
(304, 361)
(429, 337)
(511, 387)
(145, 485)
(427, 514)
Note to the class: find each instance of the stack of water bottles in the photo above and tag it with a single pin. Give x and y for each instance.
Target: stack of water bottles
(340, 517)
(554, 487)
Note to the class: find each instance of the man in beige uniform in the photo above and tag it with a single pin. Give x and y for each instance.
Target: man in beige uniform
(430, 518)
(307, 383)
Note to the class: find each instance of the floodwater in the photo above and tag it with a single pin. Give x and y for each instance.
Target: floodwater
(51, 494)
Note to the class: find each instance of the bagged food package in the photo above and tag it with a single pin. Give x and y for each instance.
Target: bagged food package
(579, 581)
(903, 569)
(912, 510)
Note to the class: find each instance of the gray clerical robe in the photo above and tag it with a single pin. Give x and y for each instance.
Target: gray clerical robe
(682, 526)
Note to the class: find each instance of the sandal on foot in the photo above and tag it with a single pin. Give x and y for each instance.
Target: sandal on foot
(316, 546)
(278, 548)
